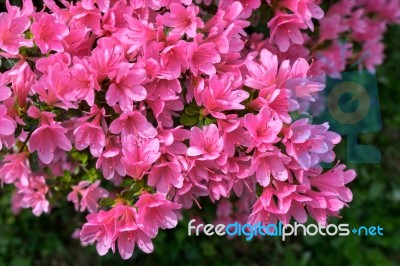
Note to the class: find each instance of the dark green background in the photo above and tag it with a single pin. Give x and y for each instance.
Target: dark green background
(27, 240)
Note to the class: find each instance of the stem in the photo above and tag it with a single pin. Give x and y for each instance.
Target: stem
(25, 142)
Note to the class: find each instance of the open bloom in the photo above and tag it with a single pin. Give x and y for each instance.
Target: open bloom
(126, 87)
(132, 123)
(202, 58)
(310, 144)
(285, 29)
(90, 195)
(139, 155)
(110, 160)
(91, 134)
(263, 128)
(15, 168)
(220, 95)
(49, 136)
(11, 30)
(269, 164)
(183, 20)
(155, 211)
(32, 195)
(7, 125)
(165, 175)
(116, 225)
(206, 143)
(48, 33)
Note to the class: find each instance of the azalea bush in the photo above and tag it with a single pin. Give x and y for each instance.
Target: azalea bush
(135, 111)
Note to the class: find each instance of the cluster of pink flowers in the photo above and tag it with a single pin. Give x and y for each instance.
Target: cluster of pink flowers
(130, 225)
(165, 102)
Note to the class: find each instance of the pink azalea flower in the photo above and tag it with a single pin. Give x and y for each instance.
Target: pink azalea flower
(90, 194)
(278, 101)
(11, 33)
(15, 169)
(285, 29)
(249, 6)
(101, 227)
(188, 193)
(110, 160)
(263, 128)
(332, 60)
(220, 95)
(372, 55)
(307, 9)
(300, 85)
(269, 164)
(102, 4)
(205, 143)
(49, 136)
(86, 16)
(83, 81)
(130, 234)
(183, 20)
(5, 92)
(155, 211)
(139, 155)
(173, 59)
(163, 89)
(91, 134)
(310, 144)
(118, 224)
(331, 27)
(32, 195)
(22, 79)
(114, 77)
(234, 134)
(202, 58)
(7, 125)
(132, 123)
(53, 88)
(106, 57)
(165, 175)
(262, 75)
(48, 32)
(218, 186)
(334, 181)
(138, 34)
(289, 203)
(126, 87)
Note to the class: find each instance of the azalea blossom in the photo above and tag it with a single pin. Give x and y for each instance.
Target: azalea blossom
(86, 195)
(183, 20)
(173, 104)
(49, 136)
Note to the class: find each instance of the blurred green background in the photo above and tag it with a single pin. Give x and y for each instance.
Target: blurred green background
(27, 240)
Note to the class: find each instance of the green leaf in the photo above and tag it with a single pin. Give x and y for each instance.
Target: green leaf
(92, 175)
(80, 157)
(107, 202)
(128, 195)
(67, 177)
(191, 111)
(187, 120)
(209, 121)
(294, 115)
(127, 182)
(136, 188)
